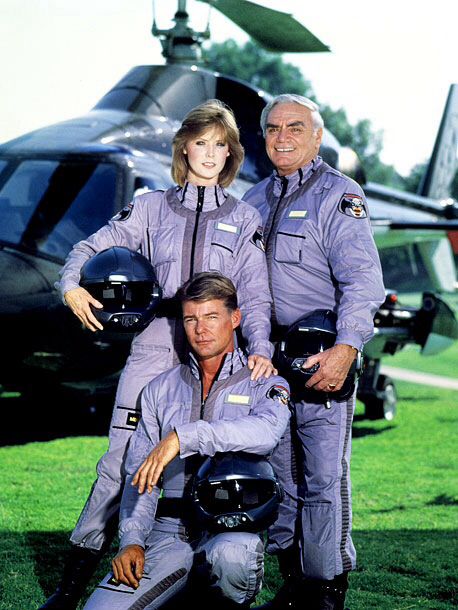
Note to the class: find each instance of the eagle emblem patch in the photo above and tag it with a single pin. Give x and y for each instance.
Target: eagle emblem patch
(124, 213)
(279, 392)
(353, 205)
(258, 239)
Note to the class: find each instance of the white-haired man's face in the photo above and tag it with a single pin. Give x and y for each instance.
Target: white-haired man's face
(291, 141)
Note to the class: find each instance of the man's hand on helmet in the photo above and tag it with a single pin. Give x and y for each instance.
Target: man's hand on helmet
(334, 364)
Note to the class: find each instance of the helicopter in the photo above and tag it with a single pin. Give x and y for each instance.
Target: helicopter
(60, 183)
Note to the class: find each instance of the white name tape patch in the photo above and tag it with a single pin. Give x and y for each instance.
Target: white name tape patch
(297, 214)
(222, 226)
(238, 399)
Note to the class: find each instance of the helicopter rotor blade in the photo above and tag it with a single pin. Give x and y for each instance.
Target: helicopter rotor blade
(273, 30)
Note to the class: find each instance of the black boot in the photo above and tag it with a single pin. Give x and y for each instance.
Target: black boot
(78, 570)
(285, 597)
(326, 594)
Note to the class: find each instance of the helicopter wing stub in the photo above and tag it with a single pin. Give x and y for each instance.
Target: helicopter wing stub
(432, 225)
(273, 30)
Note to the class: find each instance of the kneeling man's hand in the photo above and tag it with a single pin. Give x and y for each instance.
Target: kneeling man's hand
(128, 565)
(150, 471)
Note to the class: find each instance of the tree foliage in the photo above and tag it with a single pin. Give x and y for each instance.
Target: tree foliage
(413, 180)
(268, 71)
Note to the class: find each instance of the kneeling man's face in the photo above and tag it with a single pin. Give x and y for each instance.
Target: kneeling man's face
(209, 326)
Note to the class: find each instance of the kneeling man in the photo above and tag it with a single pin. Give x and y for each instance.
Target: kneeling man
(190, 412)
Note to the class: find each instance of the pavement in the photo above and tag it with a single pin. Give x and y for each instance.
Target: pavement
(422, 378)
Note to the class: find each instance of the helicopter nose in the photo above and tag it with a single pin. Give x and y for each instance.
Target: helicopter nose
(23, 282)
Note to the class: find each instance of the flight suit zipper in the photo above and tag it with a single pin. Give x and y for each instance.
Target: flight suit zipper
(200, 205)
(284, 187)
(203, 400)
(268, 250)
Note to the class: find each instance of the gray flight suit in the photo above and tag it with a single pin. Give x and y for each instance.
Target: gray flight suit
(237, 415)
(182, 232)
(320, 255)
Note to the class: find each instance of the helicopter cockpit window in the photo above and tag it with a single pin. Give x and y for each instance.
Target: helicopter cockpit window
(144, 184)
(21, 186)
(49, 205)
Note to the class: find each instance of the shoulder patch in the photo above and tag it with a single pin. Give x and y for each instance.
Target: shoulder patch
(280, 393)
(258, 239)
(353, 206)
(125, 212)
(132, 418)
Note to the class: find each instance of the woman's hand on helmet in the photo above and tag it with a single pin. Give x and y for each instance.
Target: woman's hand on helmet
(79, 300)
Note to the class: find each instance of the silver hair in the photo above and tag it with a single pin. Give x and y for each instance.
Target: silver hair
(293, 98)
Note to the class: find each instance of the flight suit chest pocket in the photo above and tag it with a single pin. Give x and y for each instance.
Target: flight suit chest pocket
(290, 241)
(223, 246)
(163, 244)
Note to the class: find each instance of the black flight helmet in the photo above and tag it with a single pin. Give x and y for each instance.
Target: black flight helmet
(310, 335)
(125, 283)
(236, 491)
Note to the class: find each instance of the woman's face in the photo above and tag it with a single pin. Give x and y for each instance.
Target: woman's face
(206, 157)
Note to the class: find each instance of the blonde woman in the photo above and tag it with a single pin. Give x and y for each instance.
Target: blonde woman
(192, 227)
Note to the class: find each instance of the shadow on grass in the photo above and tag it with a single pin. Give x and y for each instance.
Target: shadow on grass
(443, 500)
(359, 430)
(396, 569)
(33, 562)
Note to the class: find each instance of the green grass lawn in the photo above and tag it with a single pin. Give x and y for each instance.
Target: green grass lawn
(405, 490)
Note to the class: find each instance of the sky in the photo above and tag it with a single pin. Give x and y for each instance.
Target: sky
(391, 62)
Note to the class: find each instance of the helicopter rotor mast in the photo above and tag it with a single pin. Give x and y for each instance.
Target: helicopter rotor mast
(267, 27)
(181, 43)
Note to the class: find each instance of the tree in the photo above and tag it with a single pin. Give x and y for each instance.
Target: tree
(412, 181)
(268, 71)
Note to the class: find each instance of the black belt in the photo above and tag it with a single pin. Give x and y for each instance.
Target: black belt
(177, 508)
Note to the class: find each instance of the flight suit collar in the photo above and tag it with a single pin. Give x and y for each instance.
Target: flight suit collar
(232, 362)
(294, 180)
(213, 196)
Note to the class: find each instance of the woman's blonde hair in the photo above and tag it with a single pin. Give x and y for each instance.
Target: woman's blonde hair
(212, 113)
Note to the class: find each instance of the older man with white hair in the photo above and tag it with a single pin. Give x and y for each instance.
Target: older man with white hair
(321, 256)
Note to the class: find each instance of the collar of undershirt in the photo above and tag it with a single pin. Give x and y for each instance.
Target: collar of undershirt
(213, 196)
(232, 362)
(296, 179)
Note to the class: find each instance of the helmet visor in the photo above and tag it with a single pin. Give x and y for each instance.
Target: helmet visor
(219, 497)
(308, 342)
(118, 297)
